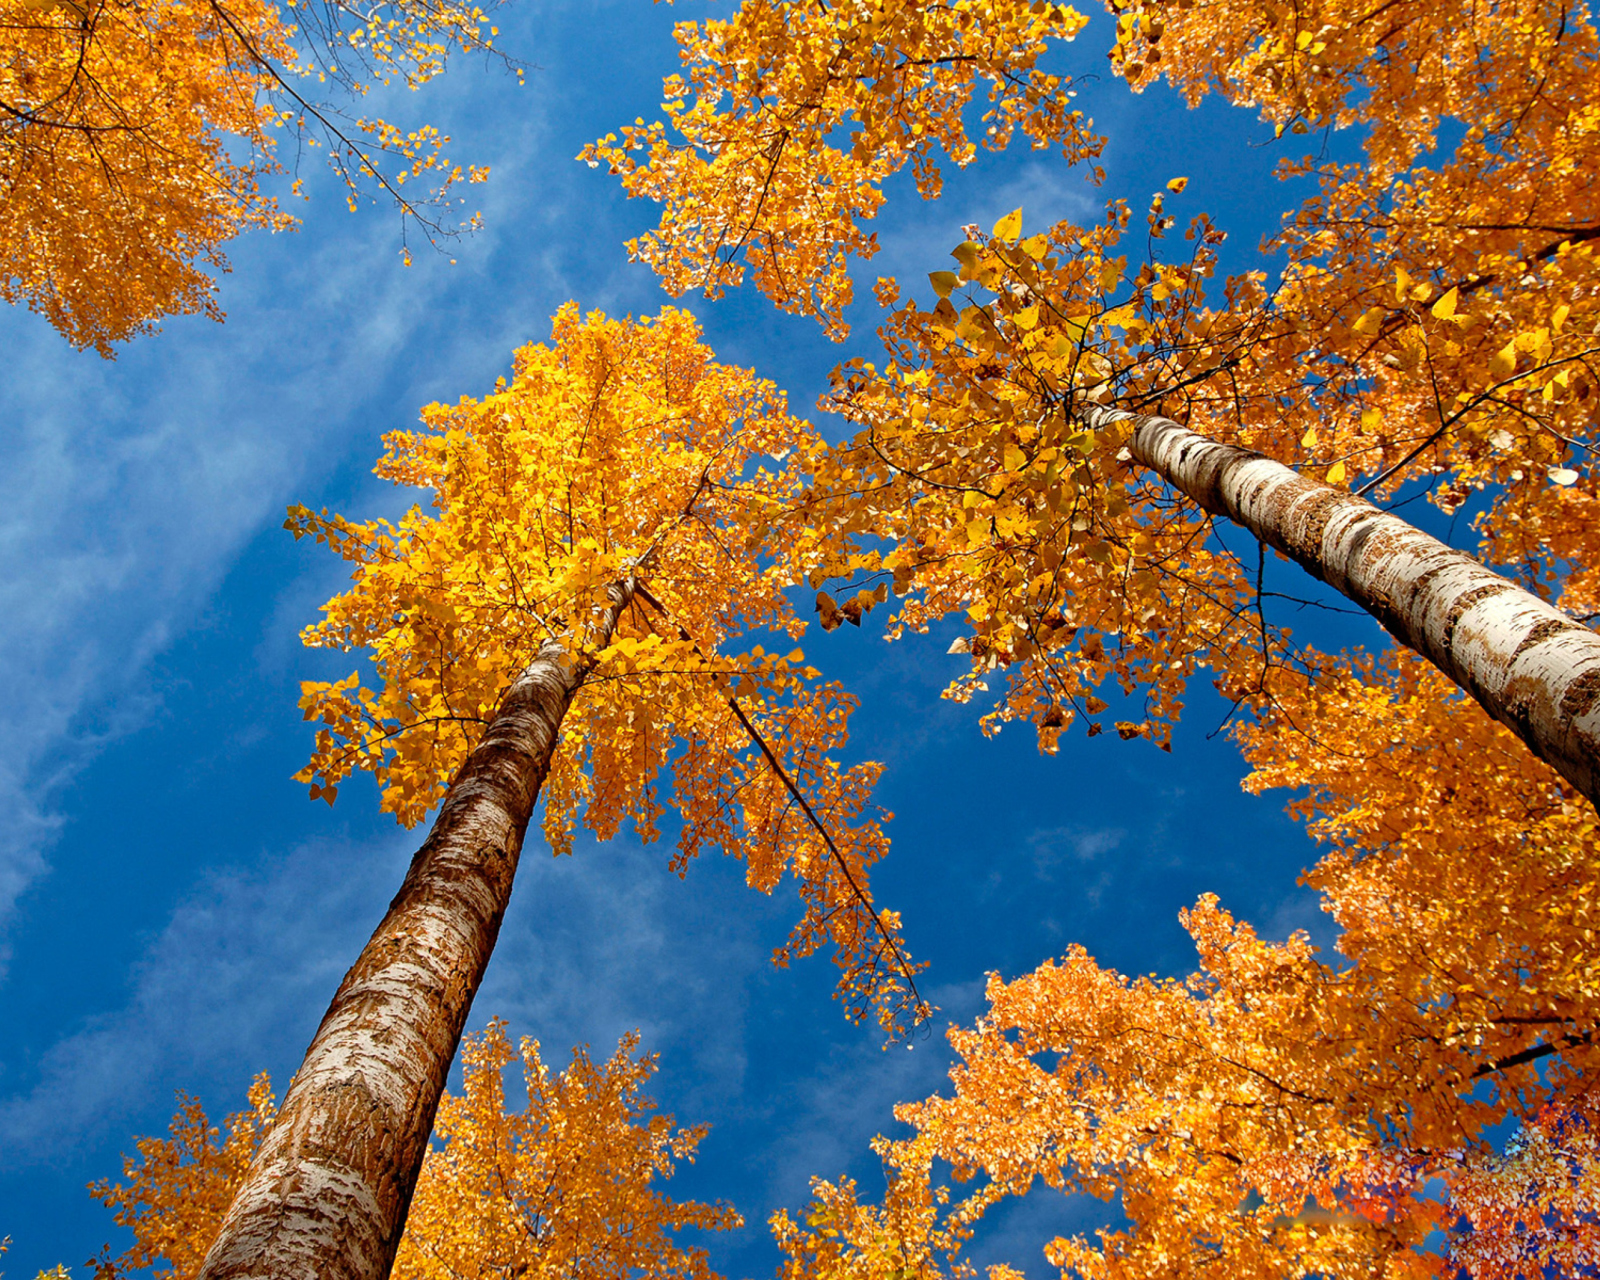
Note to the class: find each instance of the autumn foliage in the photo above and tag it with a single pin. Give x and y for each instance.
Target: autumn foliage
(1429, 321)
(619, 451)
(1277, 1114)
(750, 162)
(136, 140)
(180, 1186)
(566, 1185)
(1429, 327)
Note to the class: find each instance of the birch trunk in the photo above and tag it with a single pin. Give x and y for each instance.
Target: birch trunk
(1531, 667)
(328, 1191)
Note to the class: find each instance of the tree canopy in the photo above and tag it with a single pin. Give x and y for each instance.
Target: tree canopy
(1430, 323)
(566, 1185)
(607, 517)
(136, 140)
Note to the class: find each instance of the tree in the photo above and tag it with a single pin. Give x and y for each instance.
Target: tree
(1426, 323)
(1277, 1115)
(501, 1193)
(560, 625)
(135, 140)
(1019, 468)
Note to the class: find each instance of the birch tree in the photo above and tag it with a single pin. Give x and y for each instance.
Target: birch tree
(1431, 321)
(557, 628)
(568, 1184)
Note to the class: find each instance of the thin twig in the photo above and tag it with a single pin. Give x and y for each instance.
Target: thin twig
(920, 1006)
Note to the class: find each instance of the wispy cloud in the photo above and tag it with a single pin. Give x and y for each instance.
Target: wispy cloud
(243, 968)
(1054, 847)
(919, 238)
(130, 489)
(127, 498)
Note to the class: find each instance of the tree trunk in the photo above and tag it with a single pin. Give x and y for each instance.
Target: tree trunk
(1531, 667)
(327, 1194)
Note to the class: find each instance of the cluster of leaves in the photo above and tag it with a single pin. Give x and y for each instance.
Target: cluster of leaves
(776, 147)
(180, 1187)
(1065, 565)
(1278, 1115)
(1454, 328)
(566, 1186)
(1531, 1213)
(135, 139)
(620, 453)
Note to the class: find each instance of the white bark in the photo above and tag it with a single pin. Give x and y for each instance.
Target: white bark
(328, 1191)
(1533, 668)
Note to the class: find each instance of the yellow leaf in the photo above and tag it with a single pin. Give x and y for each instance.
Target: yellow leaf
(1504, 362)
(1336, 473)
(1446, 306)
(943, 282)
(1177, 184)
(1110, 273)
(1078, 326)
(1309, 440)
(1371, 419)
(1370, 322)
(1009, 227)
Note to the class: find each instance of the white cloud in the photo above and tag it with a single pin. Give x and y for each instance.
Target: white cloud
(128, 490)
(1301, 911)
(594, 945)
(828, 1120)
(1016, 1232)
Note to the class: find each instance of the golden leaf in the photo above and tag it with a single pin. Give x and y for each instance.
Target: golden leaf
(1009, 227)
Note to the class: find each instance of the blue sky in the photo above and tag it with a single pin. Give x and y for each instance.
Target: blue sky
(174, 913)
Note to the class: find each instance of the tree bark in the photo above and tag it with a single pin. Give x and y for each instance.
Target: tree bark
(328, 1191)
(1530, 666)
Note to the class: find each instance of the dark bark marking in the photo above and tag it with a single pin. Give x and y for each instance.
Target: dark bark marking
(1315, 516)
(1541, 632)
(1463, 602)
(1581, 695)
(1365, 525)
